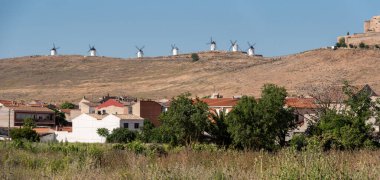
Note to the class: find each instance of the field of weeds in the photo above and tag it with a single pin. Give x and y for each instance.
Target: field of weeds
(138, 161)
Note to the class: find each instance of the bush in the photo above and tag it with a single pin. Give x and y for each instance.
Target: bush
(195, 57)
(136, 146)
(298, 142)
(362, 45)
(67, 105)
(121, 135)
(24, 133)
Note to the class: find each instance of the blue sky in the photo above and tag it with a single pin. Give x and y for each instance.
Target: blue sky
(30, 27)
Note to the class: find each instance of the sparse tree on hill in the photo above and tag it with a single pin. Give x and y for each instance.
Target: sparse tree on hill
(195, 57)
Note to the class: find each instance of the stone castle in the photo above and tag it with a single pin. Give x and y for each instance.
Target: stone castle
(371, 35)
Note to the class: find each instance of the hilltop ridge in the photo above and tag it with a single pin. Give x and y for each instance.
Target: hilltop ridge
(68, 78)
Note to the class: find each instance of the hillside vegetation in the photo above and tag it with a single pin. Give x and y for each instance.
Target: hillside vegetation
(63, 78)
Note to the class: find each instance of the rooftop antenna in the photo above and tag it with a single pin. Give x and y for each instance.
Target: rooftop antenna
(140, 52)
(212, 44)
(174, 50)
(53, 51)
(251, 49)
(92, 50)
(234, 46)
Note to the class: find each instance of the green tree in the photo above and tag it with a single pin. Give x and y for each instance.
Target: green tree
(121, 135)
(362, 45)
(194, 57)
(67, 105)
(24, 133)
(341, 42)
(148, 132)
(185, 120)
(218, 128)
(346, 128)
(29, 123)
(261, 124)
(103, 132)
(271, 108)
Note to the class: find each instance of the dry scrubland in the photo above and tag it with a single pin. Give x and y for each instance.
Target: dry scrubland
(70, 77)
(96, 161)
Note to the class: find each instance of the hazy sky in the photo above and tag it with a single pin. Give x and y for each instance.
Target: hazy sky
(29, 27)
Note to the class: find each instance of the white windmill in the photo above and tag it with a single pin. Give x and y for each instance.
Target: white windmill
(140, 52)
(234, 46)
(53, 51)
(251, 49)
(92, 50)
(175, 50)
(212, 44)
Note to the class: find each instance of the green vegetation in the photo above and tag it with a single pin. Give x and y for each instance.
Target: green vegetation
(195, 57)
(261, 124)
(121, 135)
(346, 128)
(26, 132)
(67, 105)
(151, 161)
(341, 43)
(185, 121)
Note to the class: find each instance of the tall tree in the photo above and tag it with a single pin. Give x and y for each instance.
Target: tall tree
(185, 120)
(218, 128)
(261, 124)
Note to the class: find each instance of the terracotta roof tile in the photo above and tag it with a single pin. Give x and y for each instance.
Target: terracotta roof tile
(308, 103)
(225, 102)
(110, 102)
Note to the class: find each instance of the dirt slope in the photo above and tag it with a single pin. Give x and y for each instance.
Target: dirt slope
(62, 78)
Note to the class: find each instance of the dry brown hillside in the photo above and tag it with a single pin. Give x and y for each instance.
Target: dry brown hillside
(69, 78)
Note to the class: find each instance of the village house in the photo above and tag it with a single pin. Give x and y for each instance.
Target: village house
(85, 126)
(12, 114)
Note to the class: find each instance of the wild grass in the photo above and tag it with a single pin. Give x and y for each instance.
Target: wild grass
(99, 161)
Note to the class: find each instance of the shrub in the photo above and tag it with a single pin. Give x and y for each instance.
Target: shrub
(137, 147)
(362, 45)
(118, 146)
(298, 142)
(121, 135)
(24, 133)
(377, 46)
(29, 123)
(195, 57)
(67, 105)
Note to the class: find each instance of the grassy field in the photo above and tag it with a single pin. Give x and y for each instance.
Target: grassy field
(104, 161)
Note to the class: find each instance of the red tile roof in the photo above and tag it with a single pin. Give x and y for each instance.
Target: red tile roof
(110, 102)
(66, 111)
(221, 102)
(308, 103)
(6, 102)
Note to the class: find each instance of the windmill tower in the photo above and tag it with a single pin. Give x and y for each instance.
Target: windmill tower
(212, 44)
(140, 52)
(53, 51)
(174, 50)
(251, 49)
(92, 50)
(234, 46)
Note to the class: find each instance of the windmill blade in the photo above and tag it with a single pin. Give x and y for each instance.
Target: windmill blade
(235, 42)
(57, 47)
(232, 43)
(142, 47)
(249, 44)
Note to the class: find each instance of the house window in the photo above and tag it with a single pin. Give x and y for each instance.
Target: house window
(104, 111)
(137, 125)
(126, 125)
(130, 110)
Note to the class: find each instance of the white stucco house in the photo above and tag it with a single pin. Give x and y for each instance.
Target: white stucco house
(85, 126)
